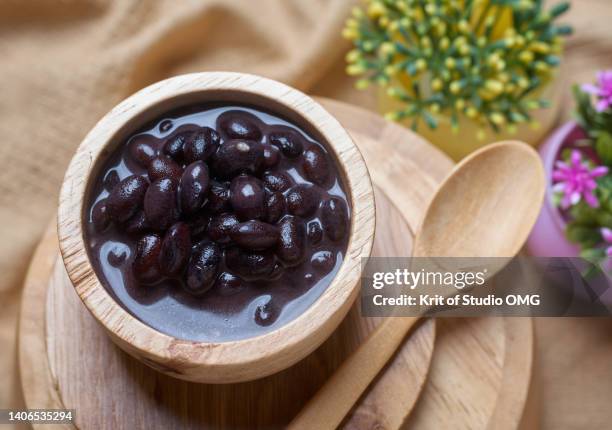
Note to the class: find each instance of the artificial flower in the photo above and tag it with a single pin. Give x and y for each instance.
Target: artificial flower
(606, 233)
(603, 90)
(576, 180)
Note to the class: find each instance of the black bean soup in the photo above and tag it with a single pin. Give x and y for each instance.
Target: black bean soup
(218, 223)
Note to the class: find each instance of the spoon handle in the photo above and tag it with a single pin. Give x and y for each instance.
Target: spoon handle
(334, 400)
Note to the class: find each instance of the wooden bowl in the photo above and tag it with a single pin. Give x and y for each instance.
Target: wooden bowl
(216, 362)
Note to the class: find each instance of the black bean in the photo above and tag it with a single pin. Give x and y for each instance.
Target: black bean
(99, 216)
(266, 313)
(146, 261)
(198, 223)
(111, 180)
(247, 197)
(250, 265)
(275, 206)
(228, 284)
(255, 235)
(291, 246)
(323, 261)
(137, 224)
(303, 200)
(160, 204)
(316, 165)
(271, 156)
(118, 254)
(277, 272)
(334, 217)
(141, 150)
(288, 141)
(315, 232)
(175, 249)
(218, 197)
(277, 181)
(173, 147)
(165, 125)
(126, 198)
(238, 124)
(164, 167)
(220, 226)
(195, 183)
(310, 279)
(201, 145)
(238, 156)
(202, 267)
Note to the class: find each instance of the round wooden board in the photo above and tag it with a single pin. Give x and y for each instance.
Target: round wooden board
(67, 361)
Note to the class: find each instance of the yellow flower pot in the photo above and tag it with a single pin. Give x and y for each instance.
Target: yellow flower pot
(458, 144)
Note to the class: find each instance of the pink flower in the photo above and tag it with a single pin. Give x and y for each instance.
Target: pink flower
(603, 91)
(606, 233)
(576, 180)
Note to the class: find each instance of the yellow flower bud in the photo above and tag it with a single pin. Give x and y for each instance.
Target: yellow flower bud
(420, 64)
(350, 33)
(542, 67)
(434, 108)
(392, 116)
(539, 47)
(464, 49)
(459, 104)
(425, 42)
(450, 62)
(455, 87)
(383, 21)
(444, 43)
(376, 9)
(390, 70)
(430, 8)
(354, 69)
(500, 65)
(352, 23)
(357, 12)
(393, 92)
(353, 55)
(463, 26)
(436, 84)
(494, 86)
(523, 83)
(526, 57)
(362, 84)
(471, 112)
(512, 129)
(497, 118)
(386, 48)
(481, 134)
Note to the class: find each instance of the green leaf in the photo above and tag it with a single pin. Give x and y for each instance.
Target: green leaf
(586, 237)
(584, 215)
(603, 146)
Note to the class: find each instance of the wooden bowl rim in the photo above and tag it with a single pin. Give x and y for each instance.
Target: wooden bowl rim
(145, 342)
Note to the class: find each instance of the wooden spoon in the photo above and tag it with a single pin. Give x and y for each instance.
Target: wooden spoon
(486, 207)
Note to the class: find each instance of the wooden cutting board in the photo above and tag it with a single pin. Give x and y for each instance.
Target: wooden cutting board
(67, 361)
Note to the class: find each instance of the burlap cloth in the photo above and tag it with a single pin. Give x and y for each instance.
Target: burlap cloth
(64, 63)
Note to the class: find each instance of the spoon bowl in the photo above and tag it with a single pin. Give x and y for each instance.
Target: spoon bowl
(486, 207)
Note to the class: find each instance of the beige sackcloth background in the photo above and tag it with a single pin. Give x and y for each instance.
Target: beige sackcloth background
(64, 63)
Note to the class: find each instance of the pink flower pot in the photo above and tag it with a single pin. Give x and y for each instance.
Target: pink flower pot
(547, 238)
